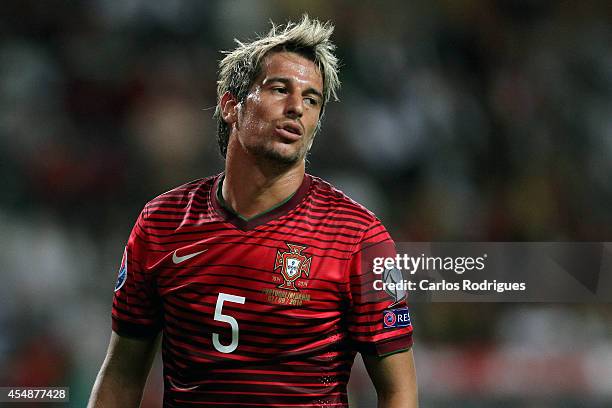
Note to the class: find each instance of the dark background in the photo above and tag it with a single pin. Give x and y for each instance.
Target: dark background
(459, 120)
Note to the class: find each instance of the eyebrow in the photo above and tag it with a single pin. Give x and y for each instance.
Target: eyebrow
(287, 81)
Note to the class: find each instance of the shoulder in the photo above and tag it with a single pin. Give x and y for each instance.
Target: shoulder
(337, 202)
(336, 211)
(196, 192)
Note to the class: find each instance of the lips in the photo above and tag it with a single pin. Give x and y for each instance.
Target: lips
(292, 128)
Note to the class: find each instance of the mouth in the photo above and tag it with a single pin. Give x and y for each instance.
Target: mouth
(291, 127)
(289, 132)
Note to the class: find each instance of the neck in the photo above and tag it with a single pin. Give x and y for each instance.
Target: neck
(251, 186)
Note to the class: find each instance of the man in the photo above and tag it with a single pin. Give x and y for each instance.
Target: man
(258, 277)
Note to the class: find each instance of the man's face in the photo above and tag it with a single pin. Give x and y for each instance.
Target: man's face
(279, 116)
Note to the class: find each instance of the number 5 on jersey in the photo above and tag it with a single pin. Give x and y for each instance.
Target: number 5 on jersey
(220, 317)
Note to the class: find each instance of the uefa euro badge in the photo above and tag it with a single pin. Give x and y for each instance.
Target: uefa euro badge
(122, 271)
(293, 264)
(392, 277)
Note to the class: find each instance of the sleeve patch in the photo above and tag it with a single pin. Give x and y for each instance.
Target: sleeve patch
(396, 318)
(123, 270)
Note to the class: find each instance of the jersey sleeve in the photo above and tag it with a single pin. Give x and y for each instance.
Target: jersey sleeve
(379, 322)
(136, 306)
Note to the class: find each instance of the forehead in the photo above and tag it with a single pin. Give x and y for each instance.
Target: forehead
(293, 66)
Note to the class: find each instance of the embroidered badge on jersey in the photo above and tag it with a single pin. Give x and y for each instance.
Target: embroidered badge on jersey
(123, 269)
(396, 318)
(293, 264)
(392, 277)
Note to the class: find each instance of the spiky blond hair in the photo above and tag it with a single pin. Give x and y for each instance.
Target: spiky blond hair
(241, 66)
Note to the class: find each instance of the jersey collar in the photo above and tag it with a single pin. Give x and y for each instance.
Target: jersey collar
(272, 214)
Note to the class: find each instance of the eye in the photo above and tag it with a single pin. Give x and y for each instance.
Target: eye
(279, 89)
(311, 101)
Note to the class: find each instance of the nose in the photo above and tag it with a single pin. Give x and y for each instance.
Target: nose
(294, 108)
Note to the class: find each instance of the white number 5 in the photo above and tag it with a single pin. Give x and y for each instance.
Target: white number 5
(220, 317)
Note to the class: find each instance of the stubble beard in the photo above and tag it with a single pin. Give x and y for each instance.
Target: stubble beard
(274, 157)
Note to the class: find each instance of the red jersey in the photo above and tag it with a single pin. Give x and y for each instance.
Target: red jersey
(268, 312)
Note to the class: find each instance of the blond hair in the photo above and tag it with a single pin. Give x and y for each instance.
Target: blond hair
(241, 66)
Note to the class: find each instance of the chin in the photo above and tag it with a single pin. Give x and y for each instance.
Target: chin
(280, 158)
(280, 155)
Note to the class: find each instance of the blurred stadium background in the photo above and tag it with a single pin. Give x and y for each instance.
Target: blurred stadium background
(460, 120)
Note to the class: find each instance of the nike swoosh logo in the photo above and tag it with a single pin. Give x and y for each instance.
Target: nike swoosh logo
(178, 259)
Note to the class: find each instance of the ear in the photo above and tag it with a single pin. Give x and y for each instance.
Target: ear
(229, 108)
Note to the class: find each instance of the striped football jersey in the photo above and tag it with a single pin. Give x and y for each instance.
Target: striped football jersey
(267, 312)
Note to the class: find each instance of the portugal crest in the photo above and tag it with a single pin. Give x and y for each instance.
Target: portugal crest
(293, 264)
